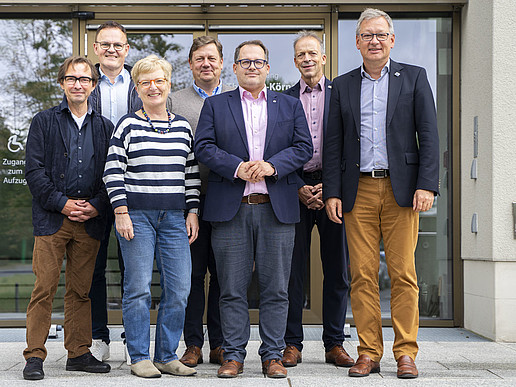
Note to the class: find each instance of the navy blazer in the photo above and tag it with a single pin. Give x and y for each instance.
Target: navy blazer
(295, 91)
(221, 144)
(411, 130)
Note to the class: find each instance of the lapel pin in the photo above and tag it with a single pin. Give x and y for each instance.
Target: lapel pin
(329, 86)
(274, 101)
(396, 74)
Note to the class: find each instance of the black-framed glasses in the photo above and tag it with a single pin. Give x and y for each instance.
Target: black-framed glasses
(70, 80)
(382, 36)
(106, 45)
(246, 63)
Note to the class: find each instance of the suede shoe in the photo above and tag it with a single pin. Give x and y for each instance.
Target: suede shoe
(364, 366)
(291, 356)
(33, 369)
(406, 368)
(145, 369)
(274, 369)
(217, 355)
(192, 356)
(175, 367)
(338, 356)
(87, 363)
(230, 369)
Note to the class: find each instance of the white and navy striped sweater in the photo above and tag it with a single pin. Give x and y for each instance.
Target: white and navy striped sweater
(150, 170)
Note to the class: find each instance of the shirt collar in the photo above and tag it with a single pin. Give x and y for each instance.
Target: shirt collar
(385, 70)
(303, 85)
(63, 106)
(123, 77)
(205, 95)
(246, 94)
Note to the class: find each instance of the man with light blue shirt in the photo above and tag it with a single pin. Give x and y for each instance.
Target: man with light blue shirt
(380, 170)
(114, 97)
(205, 60)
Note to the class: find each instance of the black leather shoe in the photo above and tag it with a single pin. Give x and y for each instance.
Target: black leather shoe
(87, 363)
(33, 369)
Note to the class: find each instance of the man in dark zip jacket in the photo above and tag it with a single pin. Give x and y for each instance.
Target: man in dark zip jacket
(66, 152)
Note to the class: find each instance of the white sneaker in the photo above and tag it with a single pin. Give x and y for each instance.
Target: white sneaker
(99, 349)
(126, 354)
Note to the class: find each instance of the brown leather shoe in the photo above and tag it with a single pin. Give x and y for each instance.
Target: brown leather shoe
(338, 356)
(230, 369)
(406, 368)
(291, 356)
(274, 369)
(192, 356)
(364, 366)
(217, 355)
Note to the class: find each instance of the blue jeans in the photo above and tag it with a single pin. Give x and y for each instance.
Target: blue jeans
(254, 237)
(160, 234)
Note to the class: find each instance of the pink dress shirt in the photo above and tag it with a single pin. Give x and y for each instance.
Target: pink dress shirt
(313, 105)
(255, 119)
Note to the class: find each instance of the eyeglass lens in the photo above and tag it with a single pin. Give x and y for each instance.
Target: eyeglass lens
(258, 63)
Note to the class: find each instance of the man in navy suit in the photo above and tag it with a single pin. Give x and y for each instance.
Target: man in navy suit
(253, 140)
(314, 91)
(381, 168)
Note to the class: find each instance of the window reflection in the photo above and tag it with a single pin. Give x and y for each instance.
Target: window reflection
(32, 51)
(283, 73)
(173, 47)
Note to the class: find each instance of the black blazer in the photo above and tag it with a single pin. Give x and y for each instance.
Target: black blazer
(412, 136)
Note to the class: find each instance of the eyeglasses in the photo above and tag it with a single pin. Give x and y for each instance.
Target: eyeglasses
(70, 80)
(157, 82)
(106, 46)
(382, 36)
(246, 63)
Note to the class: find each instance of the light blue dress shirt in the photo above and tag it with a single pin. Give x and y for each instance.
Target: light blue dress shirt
(205, 95)
(373, 116)
(114, 96)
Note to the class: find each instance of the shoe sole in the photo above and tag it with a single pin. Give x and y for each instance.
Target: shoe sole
(276, 376)
(228, 376)
(358, 375)
(33, 377)
(407, 376)
(292, 364)
(91, 371)
(338, 365)
(146, 377)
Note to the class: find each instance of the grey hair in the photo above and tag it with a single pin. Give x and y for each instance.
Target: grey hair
(308, 34)
(373, 13)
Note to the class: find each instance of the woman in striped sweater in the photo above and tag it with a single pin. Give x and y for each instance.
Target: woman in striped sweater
(152, 179)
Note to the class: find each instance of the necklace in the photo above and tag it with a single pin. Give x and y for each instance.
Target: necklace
(161, 131)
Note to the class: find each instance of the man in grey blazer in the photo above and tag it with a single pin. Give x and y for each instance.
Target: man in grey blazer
(205, 60)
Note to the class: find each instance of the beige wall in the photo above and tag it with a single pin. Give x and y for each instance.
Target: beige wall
(488, 90)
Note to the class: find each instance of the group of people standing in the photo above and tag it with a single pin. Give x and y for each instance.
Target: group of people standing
(231, 182)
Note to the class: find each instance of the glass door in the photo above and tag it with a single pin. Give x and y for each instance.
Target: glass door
(426, 42)
(283, 75)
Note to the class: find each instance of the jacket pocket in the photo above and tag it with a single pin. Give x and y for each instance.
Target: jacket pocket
(411, 158)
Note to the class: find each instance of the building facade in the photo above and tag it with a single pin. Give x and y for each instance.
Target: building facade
(466, 254)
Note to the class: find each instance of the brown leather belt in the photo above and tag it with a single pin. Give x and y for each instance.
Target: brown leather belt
(256, 199)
